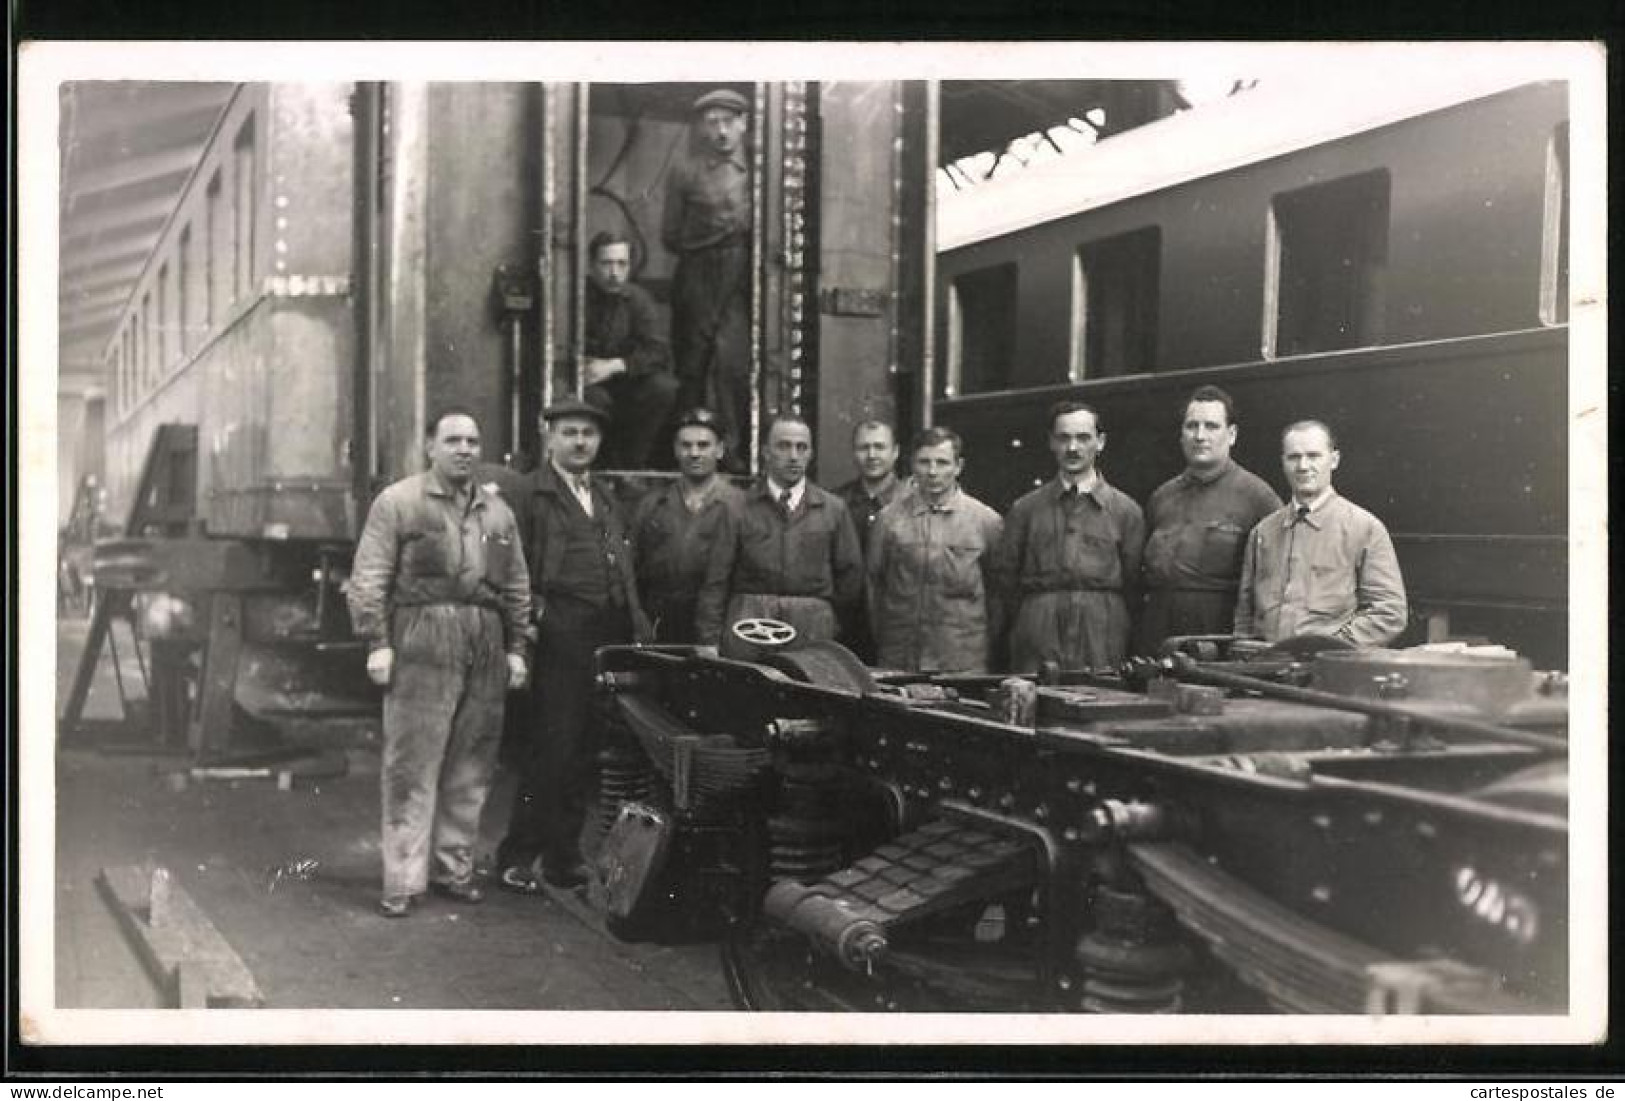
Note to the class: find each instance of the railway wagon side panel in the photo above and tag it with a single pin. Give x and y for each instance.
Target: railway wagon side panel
(179, 401)
(274, 435)
(1467, 233)
(481, 206)
(859, 253)
(1458, 242)
(1456, 445)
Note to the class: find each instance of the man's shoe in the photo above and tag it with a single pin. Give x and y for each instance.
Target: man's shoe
(567, 876)
(395, 906)
(459, 890)
(519, 879)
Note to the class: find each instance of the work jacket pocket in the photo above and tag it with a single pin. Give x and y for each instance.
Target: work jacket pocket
(1222, 546)
(1094, 558)
(1331, 589)
(501, 551)
(960, 570)
(424, 552)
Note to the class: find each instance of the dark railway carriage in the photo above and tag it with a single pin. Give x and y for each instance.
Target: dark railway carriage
(347, 257)
(1393, 263)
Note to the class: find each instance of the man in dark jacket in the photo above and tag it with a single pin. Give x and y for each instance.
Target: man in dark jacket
(585, 596)
(627, 371)
(874, 450)
(1069, 552)
(795, 557)
(706, 224)
(682, 532)
(1199, 522)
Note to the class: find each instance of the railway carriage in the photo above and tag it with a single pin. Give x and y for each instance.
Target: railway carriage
(345, 258)
(1391, 262)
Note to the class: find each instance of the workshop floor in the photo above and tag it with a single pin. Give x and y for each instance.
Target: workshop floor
(316, 942)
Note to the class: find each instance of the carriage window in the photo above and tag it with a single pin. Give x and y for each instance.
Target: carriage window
(143, 328)
(244, 172)
(1114, 305)
(129, 365)
(161, 319)
(1325, 270)
(981, 330)
(214, 248)
(184, 276)
(1554, 264)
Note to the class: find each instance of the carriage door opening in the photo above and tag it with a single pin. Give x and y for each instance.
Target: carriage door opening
(662, 217)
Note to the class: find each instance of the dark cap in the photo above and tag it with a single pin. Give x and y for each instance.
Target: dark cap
(700, 417)
(725, 98)
(575, 407)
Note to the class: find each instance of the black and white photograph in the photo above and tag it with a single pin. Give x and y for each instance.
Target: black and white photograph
(953, 544)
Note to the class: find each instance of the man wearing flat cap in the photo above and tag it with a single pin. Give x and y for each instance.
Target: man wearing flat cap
(681, 533)
(584, 595)
(706, 224)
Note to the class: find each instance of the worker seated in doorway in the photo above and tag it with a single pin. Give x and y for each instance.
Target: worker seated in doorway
(627, 371)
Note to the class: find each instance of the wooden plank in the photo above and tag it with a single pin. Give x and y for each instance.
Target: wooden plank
(180, 946)
(211, 732)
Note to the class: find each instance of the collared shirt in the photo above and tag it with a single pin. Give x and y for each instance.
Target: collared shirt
(678, 549)
(796, 492)
(1085, 484)
(929, 588)
(707, 202)
(1055, 543)
(427, 542)
(625, 325)
(580, 487)
(812, 552)
(1332, 572)
(865, 506)
(548, 513)
(1199, 521)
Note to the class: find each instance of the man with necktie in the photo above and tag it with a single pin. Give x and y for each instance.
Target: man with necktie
(795, 553)
(585, 595)
(1321, 565)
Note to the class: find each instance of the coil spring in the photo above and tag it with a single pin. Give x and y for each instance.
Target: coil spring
(1132, 962)
(804, 838)
(622, 778)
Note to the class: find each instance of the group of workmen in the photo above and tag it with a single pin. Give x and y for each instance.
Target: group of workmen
(465, 591)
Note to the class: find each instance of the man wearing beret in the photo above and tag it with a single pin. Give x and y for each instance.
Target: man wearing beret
(682, 532)
(706, 224)
(584, 596)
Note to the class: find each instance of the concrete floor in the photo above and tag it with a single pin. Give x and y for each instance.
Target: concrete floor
(316, 942)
